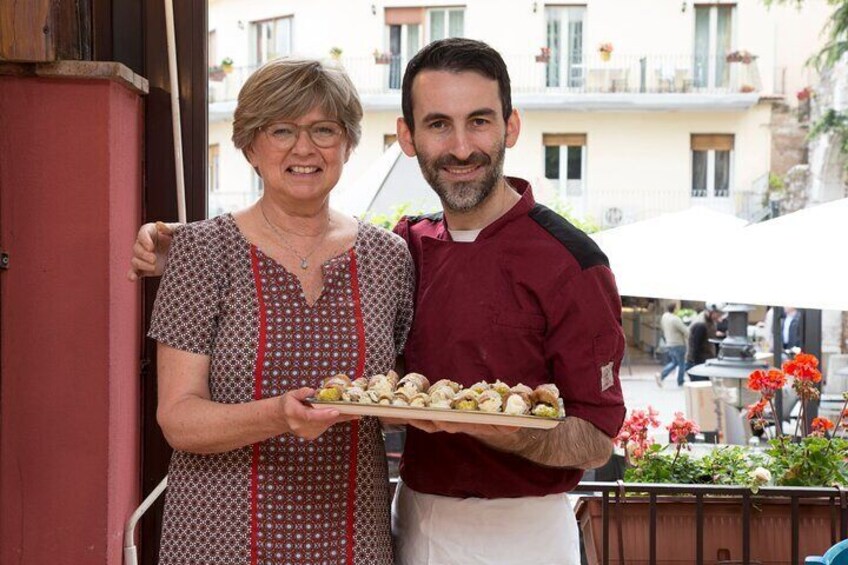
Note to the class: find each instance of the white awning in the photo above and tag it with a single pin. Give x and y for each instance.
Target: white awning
(800, 259)
(668, 256)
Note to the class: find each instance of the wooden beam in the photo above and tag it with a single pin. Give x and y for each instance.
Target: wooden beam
(26, 31)
(46, 30)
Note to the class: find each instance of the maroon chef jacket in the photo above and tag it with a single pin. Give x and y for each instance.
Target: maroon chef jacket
(532, 300)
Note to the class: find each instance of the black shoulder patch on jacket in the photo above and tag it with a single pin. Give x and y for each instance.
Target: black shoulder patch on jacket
(433, 217)
(580, 245)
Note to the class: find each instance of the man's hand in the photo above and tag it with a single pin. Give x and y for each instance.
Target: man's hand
(150, 250)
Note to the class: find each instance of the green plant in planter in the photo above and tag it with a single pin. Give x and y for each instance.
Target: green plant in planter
(818, 458)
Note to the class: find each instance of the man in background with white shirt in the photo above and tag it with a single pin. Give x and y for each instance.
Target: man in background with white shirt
(676, 335)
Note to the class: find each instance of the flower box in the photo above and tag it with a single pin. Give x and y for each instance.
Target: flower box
(676, 529)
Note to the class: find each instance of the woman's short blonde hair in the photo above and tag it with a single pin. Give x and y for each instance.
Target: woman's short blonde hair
(286, 89)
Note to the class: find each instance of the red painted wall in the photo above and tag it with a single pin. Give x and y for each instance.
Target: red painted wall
(70, 186)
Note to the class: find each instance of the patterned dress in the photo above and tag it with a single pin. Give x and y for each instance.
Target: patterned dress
(285, 500)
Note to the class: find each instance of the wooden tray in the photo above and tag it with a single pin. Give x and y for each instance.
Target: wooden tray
(439, 414)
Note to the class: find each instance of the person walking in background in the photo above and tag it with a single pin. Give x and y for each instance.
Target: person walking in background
(676, 335)
(791, 328)
(702, 330)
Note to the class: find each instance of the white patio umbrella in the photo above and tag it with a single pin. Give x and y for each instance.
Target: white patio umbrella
(673, 255)
(800, 259)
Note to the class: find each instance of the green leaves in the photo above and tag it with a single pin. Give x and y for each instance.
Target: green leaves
(812, 461)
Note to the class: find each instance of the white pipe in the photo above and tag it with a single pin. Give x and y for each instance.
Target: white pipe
(130, 554)
(175, 108)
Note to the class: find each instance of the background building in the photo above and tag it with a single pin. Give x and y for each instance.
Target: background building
(629, 109)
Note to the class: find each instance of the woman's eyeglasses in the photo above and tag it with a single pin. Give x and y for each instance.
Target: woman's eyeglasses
(324, 134)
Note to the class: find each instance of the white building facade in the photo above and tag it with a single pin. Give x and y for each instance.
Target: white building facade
(630, 108)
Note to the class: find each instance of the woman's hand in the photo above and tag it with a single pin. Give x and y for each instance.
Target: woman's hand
(150, 251)
(306, 421)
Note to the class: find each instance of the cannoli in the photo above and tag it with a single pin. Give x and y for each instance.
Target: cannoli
(415, 383)
(480, 387)
(502, 388)
(329, 394)
(465, 400)
(517, 404)
(489, 401)
(441, 397)
(546, 394)
(381, 383)
(453, 385)
(361, 382)
(402, 397)
(356, 394)
(420, 400)
(381, 397)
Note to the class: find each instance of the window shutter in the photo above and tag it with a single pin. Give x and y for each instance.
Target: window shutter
(560, 139)
(712, 142)
(404, 16)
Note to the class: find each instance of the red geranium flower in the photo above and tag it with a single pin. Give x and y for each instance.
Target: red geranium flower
(821, 426)
(766, 382)
(803, 367)
(756, 410)
(681, 428)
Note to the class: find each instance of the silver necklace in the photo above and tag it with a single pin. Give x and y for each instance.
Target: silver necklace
(304, 259)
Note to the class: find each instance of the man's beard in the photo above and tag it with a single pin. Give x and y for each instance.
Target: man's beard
(463, 196)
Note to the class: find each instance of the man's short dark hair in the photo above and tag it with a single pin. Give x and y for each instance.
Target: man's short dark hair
(457, 55)
(671, 308)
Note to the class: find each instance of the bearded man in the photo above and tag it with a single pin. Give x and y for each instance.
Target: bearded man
(509, 290)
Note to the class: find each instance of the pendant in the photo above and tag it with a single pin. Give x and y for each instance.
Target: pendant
(304, 264)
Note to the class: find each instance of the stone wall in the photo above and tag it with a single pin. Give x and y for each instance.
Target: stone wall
(789, 139)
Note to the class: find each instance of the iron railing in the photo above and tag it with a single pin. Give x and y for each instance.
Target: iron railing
(589, 73)
(619, 491)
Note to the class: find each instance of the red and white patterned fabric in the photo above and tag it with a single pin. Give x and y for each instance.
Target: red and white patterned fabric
(284, 500)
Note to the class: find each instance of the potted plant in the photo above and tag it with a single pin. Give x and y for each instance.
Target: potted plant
(216, 74)
(544, 55)
(227, 65)
(740, 56)
(817, 459)
(382, 58)
(605, 49)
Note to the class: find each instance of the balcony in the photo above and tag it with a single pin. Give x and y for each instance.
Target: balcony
(622, 82)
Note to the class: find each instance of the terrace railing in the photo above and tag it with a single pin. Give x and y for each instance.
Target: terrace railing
(614, 496)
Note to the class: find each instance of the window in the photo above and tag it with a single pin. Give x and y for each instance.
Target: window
(213, 167)
(272, 39)
(403, 26)
(713, 41)
(405, 33)
(565, 161)
(712, 162)
(446, 22)
(565, 41)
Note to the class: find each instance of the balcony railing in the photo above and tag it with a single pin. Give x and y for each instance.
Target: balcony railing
(537, 74)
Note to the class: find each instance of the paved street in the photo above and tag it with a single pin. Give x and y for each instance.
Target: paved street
(640, 389)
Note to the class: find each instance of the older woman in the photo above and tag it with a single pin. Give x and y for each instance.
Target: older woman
(254, 310)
